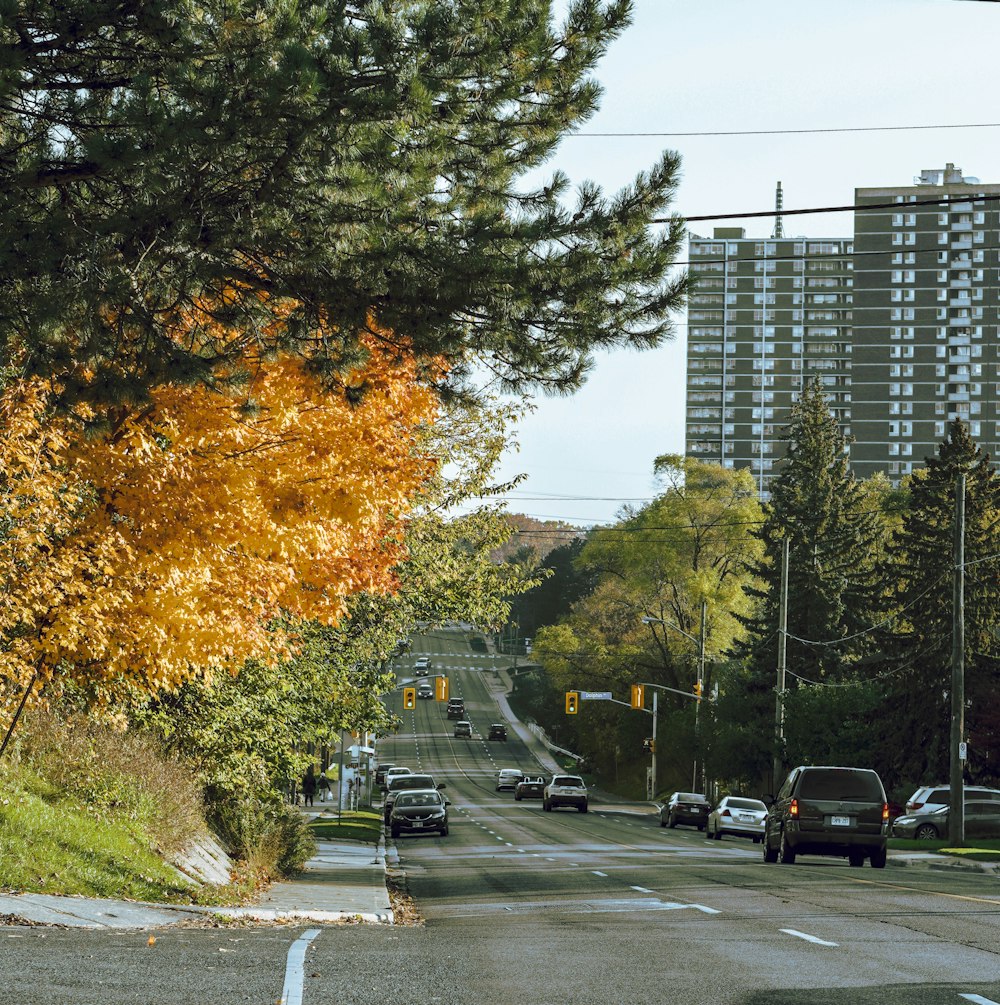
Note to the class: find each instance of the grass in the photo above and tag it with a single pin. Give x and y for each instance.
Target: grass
(359, 825)
(982, 850)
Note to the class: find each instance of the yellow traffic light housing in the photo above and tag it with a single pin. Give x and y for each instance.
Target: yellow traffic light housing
(697, 689)
(638, 695)
(572, 697)
(409, 697)
(441, 688)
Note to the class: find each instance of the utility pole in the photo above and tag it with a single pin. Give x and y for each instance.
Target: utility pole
(652, 756)
(956, 817)
(779, 699)
(697, 705)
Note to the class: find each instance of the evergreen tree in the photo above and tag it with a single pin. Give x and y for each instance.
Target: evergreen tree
(836, 532)
(916, 733)
(339, 165)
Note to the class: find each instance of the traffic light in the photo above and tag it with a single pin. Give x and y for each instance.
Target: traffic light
(638, 695)
(441, 688)
(409, 697)
(649, 744)
(697, 689)
(572, 697)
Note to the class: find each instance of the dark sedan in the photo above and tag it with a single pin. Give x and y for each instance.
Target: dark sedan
(419, 812)
(690, 808)
(529, 788)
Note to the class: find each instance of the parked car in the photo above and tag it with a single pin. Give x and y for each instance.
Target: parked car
(419, 812)
(463, 728)
(529, 788)
(498, 731)
(982, 820)
(406, 783)
(689, 808)
(393, 772)
(507, 778)
(739, 816)
(565, 790)
(935, 797)
(828, 811)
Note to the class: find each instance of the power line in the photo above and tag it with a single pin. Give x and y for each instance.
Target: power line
(796, 132)
(944, 200)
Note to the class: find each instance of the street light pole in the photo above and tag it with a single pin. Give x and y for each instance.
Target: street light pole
(652, 753)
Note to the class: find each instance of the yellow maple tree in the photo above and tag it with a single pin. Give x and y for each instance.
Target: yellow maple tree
(170, 544)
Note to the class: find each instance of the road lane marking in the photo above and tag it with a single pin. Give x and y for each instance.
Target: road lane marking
(641, 889)
(596, 873)
(809, 938)
(291, 993)
(978, 999)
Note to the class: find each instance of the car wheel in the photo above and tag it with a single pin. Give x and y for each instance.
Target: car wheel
(517, 799)
(877, 858)
(926, 832)
(718, 834)
(583, 808)
(857, 859)
(444, 831)
(786, 853)
(547, 806)
(663, 823)
(395, 832)
(756, 839)
(701, 827)
(671, 822)
(770, 854)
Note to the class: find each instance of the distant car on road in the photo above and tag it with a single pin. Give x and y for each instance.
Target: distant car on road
(422, 811)
(380, 771)
(498, 731)
(739, 816)
(565, 790)
(406, 783)
(422, 666)
(425, 689)
(507, 778)
(688, 808)
(529, 788)
(456, 708)
(392, 772)
(463, 728)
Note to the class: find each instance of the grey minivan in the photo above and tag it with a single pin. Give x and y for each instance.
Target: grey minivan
(828, 811)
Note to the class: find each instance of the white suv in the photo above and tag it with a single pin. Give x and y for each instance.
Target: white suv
(565, 790)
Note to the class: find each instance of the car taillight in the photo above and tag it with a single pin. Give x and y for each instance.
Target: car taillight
(793, 808)
(913, 807)
(726, 813)
(885, 813)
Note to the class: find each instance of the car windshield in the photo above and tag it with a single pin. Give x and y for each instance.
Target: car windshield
(837, 784)
(746, 804)
(419, 799)
(413, 782)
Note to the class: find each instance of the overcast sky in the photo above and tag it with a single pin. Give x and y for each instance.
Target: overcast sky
(728, 65)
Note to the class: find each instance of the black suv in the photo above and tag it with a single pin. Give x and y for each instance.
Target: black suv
(498, 731)
(456, 708)
(828, 811)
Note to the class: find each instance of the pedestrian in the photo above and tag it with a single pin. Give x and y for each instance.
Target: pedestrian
(324, 787)
(308, 786)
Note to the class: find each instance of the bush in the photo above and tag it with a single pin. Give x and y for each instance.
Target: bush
(273, 839)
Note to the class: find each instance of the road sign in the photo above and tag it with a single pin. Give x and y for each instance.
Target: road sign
(963, 751)
(595, 696)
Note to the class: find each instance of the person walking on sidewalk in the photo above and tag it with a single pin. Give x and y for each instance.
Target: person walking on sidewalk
(324, 787)
(308, 786)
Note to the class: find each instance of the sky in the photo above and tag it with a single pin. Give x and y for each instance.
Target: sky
(708, 66)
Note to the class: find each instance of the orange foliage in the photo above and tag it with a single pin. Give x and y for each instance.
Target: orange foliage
(168, 546)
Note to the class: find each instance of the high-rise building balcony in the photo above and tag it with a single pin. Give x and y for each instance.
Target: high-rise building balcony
(962, 243)
(958, 225)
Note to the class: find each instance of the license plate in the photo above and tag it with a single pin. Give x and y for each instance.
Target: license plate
(417, 823)
(840, 821)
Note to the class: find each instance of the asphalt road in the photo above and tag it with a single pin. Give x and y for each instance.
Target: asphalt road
(606, 907)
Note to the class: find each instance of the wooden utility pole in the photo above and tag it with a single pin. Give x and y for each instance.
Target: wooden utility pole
(956, 816)
(779, 699)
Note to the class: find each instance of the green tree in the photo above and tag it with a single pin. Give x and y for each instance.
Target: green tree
(916, 733)
(836, 529)
(349, 165)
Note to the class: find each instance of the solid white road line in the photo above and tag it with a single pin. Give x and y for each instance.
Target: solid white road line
(808, 938)
(641, 889)
(596, 873)
(978, 999)
(291, 993)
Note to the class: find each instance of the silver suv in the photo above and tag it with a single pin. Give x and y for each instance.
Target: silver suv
(565, 790)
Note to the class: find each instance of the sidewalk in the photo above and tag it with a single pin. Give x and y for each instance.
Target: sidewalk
(344, 881)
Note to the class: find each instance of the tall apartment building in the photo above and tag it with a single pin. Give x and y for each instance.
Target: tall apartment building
(899, 323)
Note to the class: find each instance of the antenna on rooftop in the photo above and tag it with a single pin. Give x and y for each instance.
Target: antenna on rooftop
(779, 201)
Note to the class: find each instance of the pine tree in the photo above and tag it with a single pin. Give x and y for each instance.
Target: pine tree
(916, 733)
(835, 530)
(173, 177)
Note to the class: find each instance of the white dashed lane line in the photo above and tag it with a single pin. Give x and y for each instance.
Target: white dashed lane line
(809, 938)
